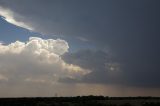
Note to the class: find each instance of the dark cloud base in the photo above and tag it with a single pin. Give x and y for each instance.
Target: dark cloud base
(138, 74)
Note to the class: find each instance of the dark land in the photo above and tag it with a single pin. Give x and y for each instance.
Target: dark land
(81, 101)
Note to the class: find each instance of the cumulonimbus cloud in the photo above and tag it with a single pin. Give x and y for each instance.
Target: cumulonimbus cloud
(104, 27)
(36, 60)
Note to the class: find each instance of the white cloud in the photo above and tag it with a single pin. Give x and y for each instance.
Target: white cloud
(1, 42)
(36, 61)
(10, 17)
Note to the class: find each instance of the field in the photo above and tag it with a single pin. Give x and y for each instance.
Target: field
(81, 101)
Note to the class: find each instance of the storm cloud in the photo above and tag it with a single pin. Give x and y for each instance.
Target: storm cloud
(129, 29)
(107, 69)
(36, 61)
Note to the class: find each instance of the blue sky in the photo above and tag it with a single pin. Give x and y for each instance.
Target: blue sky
(10, 33)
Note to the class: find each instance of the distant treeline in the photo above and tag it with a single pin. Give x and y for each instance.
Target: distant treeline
(80, 101)
(77, 98)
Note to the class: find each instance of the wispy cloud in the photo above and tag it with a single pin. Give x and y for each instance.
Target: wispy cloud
(10, 17)
(83, 39)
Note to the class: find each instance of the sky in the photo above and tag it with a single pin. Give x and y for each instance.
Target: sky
(79, 47)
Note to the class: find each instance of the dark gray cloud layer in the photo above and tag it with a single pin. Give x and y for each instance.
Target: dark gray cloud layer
(130, 28)
(107, 69)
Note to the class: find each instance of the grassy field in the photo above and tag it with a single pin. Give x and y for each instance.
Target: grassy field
(81, 101)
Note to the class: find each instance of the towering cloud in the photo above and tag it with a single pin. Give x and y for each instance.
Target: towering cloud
(36, 60)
